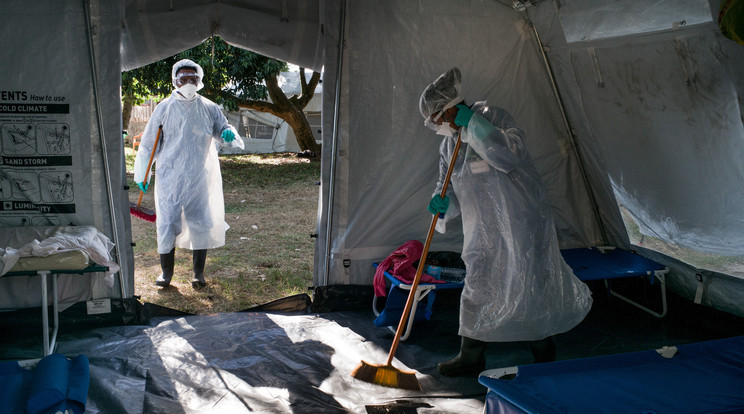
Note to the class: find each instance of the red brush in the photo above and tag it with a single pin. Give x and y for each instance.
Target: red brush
(136, 210)
(141, 212)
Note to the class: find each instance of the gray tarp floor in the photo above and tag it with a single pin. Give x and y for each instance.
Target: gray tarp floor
(301, 362)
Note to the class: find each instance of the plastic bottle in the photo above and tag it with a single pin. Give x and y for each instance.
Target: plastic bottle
(448, 274)
(434, 271)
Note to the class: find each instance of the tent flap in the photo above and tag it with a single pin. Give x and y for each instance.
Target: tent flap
(288, 31)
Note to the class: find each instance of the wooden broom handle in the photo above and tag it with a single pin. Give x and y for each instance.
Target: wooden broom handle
(149, 164)
(424, 253)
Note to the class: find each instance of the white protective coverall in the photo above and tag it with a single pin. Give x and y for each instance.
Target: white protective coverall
(518, 287)
(189, 203)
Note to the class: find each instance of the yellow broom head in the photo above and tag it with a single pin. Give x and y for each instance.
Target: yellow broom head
(387, 376)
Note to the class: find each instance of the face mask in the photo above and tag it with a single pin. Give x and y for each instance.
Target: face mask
(446, 129)
(188, 91)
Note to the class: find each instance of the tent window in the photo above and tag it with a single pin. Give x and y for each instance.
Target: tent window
(585, 20)
(732, 265)
(315, 121)
(258, 127)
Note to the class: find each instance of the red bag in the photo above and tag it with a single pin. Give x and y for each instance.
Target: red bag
(401, 262)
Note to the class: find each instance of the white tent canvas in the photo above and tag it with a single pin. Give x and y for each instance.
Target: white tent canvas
(642, 127)
(71, 132)
(619, 108)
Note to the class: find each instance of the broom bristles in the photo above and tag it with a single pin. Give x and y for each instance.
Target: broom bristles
(142, 214)
(387, 376)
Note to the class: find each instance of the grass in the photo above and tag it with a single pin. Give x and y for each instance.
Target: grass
(733, 265)
(271, 204)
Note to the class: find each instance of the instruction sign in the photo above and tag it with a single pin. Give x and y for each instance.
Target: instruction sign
(37, 184)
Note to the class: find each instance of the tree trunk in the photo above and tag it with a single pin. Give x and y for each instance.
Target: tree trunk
(302, 130)
(126, 111)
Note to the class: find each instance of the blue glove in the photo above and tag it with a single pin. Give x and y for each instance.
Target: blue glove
(463, 115)
(228, 135)
(438, 205)
(143, 186)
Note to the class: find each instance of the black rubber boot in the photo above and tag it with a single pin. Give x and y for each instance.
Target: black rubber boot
(200, 258)
(470, 361)
(167, 262)
(543, 350)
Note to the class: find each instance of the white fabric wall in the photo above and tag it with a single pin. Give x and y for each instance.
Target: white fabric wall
(663, 115)
(656, 118)
(387, 160)
(46, 54)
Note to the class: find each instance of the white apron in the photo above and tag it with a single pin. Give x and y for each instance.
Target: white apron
(518, 287)
(189, 202)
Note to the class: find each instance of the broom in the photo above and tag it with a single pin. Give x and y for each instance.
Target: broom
(142, 212)
(387, 375)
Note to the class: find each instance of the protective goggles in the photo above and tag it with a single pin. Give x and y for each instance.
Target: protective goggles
(184, 78)
(432, 122)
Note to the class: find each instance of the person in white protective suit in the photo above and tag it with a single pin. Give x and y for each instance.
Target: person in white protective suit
(518, 287)
(189, 205)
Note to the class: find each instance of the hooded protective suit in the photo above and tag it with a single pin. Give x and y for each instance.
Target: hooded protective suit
(518, 287)
(189, 202)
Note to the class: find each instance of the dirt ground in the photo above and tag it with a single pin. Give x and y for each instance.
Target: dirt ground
(271, 206)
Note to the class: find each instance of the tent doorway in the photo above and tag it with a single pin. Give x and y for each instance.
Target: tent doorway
(269, 198)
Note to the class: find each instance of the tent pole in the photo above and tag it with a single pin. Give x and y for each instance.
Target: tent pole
(104, 150)
(569, 132)
(334, 145)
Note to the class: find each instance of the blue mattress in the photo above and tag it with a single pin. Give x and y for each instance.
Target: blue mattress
(592, 264)
(705, 377)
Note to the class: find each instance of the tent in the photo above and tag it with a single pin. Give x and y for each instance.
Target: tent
(623, 103)
(639, 109)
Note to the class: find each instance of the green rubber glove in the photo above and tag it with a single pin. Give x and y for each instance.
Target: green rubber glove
(463, 115)
(142, 187)
(228, 135)
(438, 205)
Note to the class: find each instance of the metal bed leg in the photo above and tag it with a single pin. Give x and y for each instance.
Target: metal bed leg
(44, 310)
(659, 274)
(49, 340)
(421, 293)
(55, 309)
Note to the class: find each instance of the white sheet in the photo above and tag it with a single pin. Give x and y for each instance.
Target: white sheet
(17, 242)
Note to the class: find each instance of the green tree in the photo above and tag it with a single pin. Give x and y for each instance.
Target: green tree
(233, 77)
(143, 83)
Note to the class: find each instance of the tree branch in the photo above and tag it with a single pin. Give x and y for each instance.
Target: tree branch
(275, 92)
(262, 106)
(308, 88)
(303, 81)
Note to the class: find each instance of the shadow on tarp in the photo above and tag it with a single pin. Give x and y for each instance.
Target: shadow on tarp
(253, 362)
(296, 354)
(276, 357)
(233, 363)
